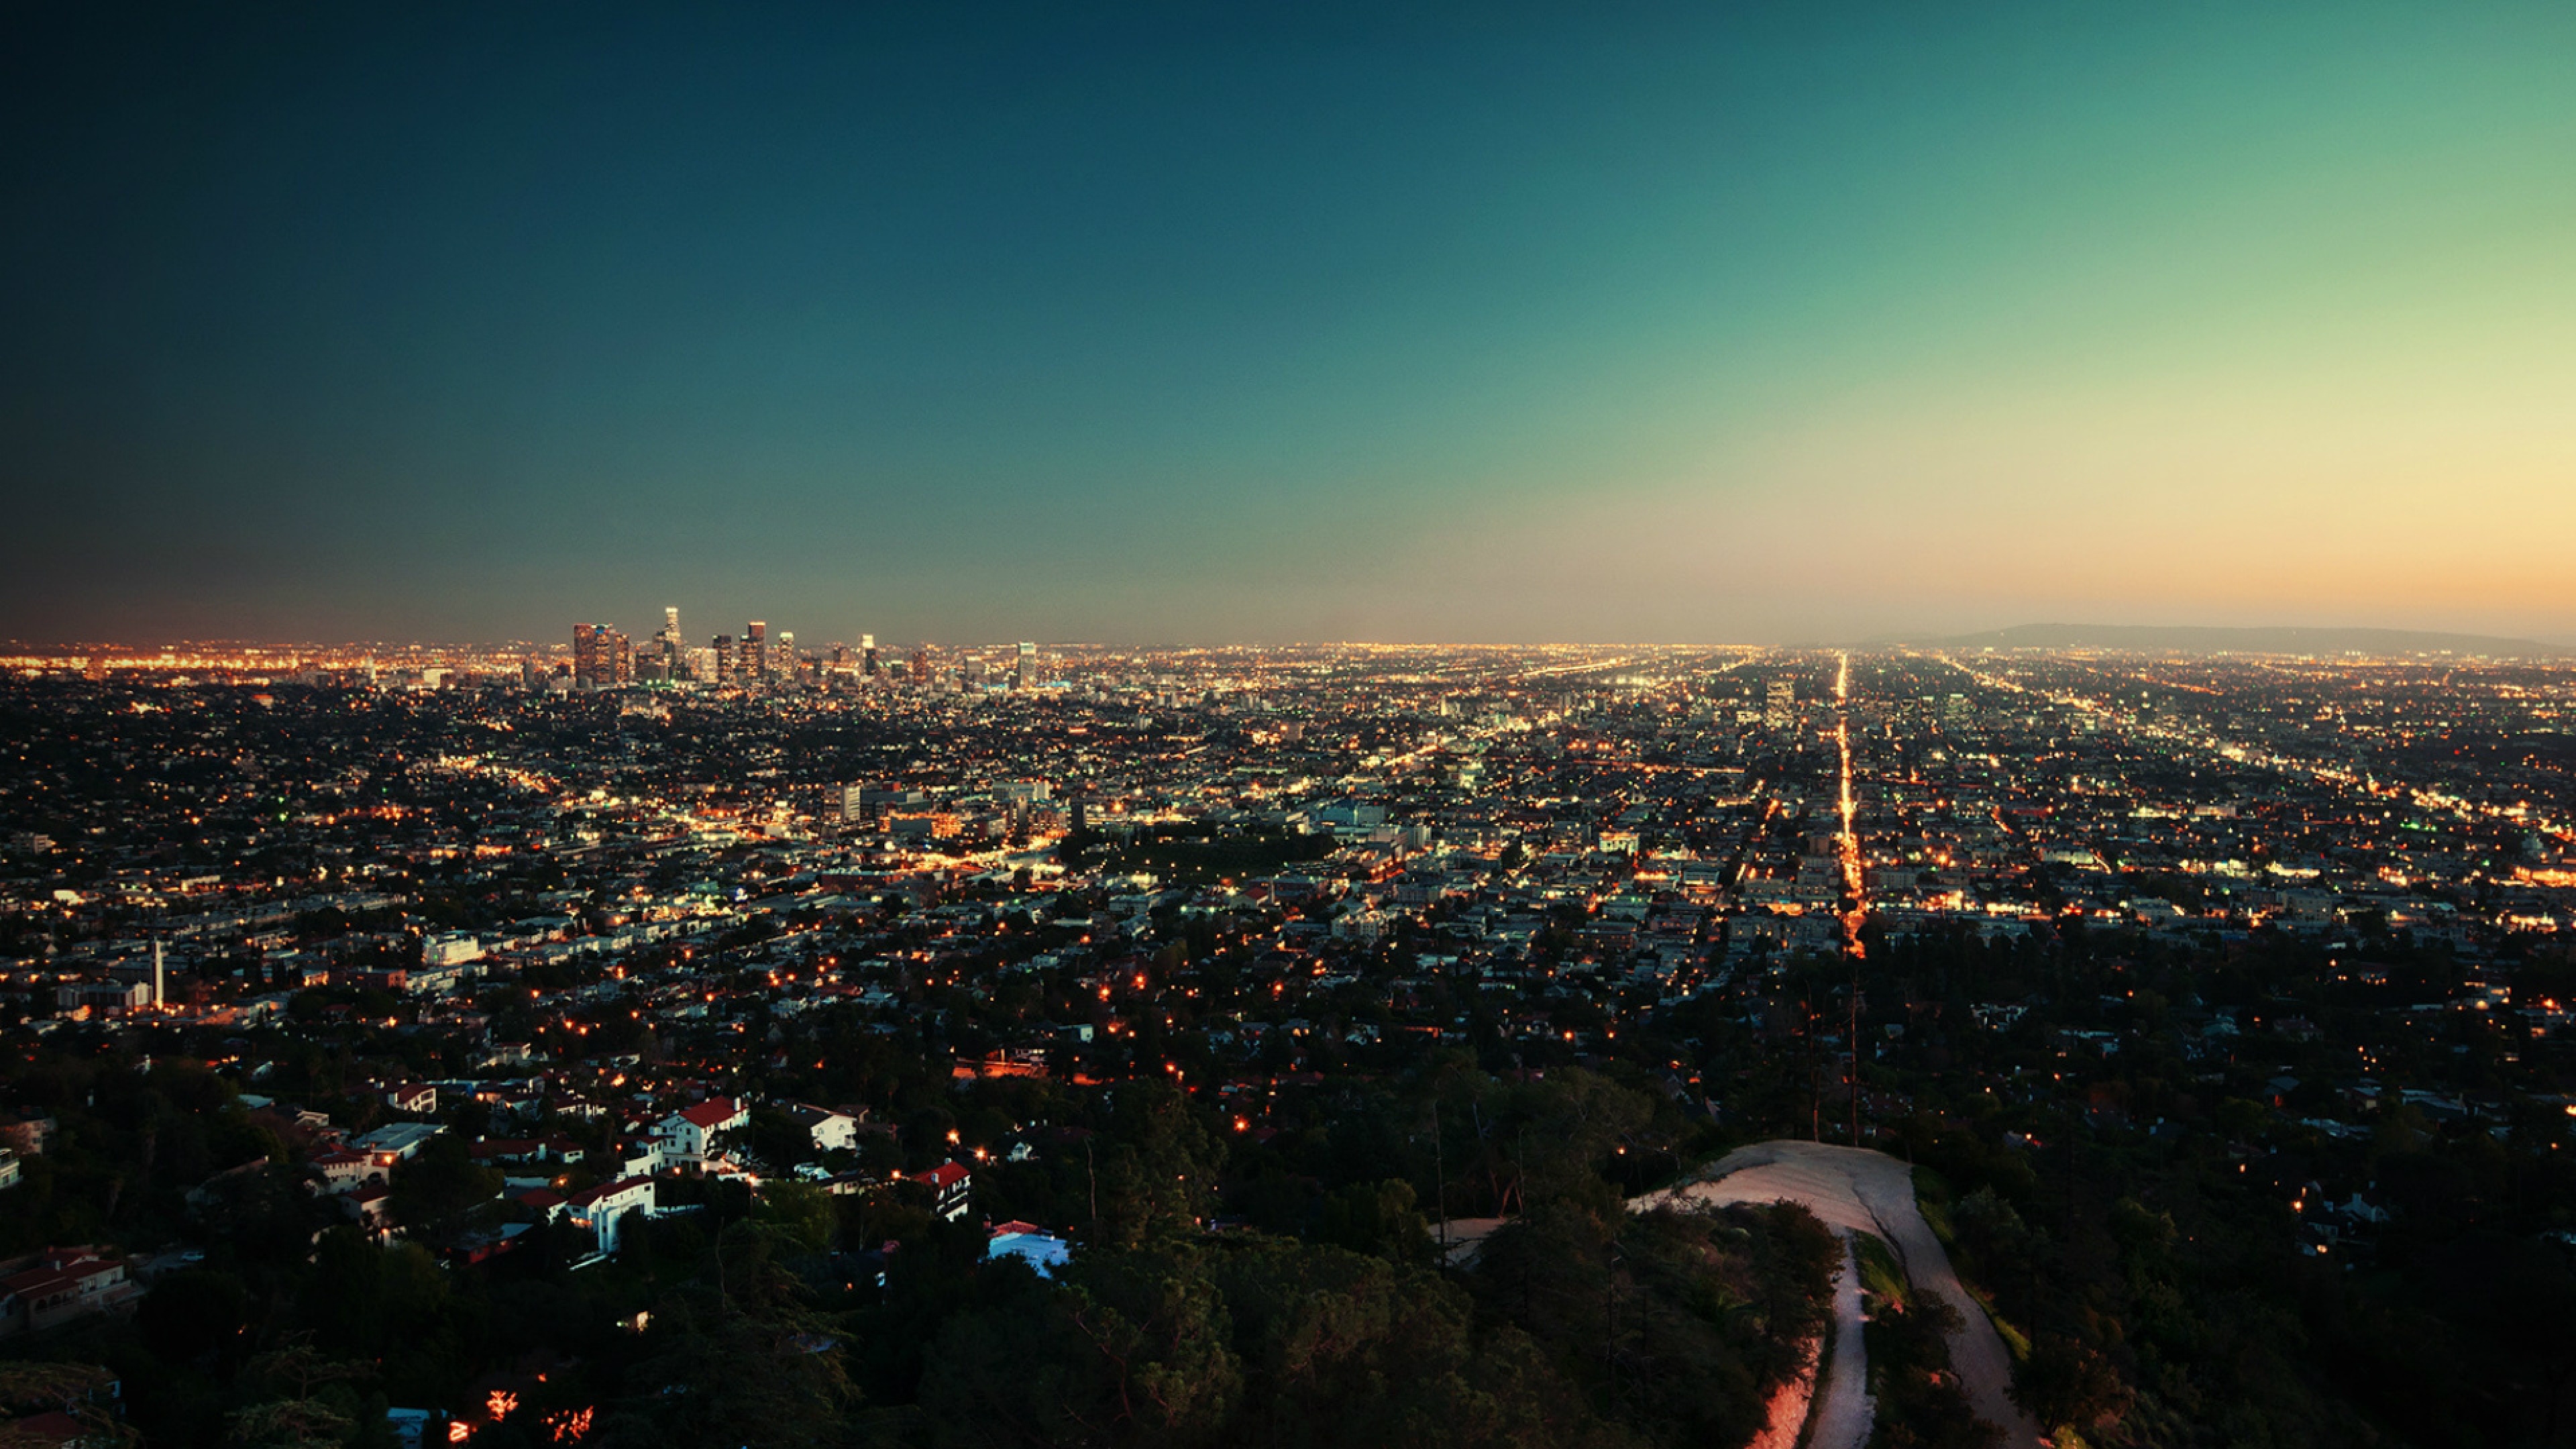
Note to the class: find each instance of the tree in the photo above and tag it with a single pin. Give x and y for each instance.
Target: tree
(70, 1388)
(739, 1360)
(1382, 1221)
(2068, 1382)
(442, 1189)
(193, 1313)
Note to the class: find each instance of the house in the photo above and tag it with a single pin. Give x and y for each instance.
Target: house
(1031, 1244)
(346, 1171)
(952, 1187)
(832, 1131)
(372, 1207)
(600, 1209)
(28, 1131)
(686, 1135)
(417, 1098)
(52, 1428)
(398, 1141)
(62, 1284)
(528, 1149)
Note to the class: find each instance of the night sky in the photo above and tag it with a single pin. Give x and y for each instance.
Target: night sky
(1279, 322)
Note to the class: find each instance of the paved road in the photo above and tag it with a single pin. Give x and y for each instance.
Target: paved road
(1844, 1411)
(1855, 1190)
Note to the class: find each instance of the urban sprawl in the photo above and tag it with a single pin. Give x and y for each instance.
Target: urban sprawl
(540, 966)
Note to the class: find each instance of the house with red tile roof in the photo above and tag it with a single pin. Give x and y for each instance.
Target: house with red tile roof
(952, 1186)
(61, 1285)
(687, 1135)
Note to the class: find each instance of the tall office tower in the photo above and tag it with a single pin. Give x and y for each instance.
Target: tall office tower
(788, 666)
(970, 671)
(586, 672)
(621, 659)
(1025, 675)
(669, 640)
(724, 659)
(1780, 702)
(755, 653)
(868, 655)
(920, 666)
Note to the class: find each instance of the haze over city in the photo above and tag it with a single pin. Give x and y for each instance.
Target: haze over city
(1265, 323)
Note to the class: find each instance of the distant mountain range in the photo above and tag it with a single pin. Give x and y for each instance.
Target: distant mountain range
(2193, 639)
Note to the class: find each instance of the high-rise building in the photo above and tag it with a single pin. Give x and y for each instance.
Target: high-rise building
(755, 652)
(868, 655)
(669, 642)
(786, 665)
(587, 665)
(1025, 674)
(724, 659)
(621, 659)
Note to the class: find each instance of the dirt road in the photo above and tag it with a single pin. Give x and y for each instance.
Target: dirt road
(1855, 1190)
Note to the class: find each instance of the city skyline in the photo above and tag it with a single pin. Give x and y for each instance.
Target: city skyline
(1289, 324)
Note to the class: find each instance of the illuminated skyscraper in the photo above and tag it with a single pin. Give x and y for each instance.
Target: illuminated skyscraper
(755, 653)
(588, 665)
(669, 640)
(785, 665)
(724, 659)
(868, 655)
(1025, 675)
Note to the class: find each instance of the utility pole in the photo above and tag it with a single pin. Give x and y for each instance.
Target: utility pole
(1610, 1337)
(1440, 1178)
(1855, 1052)
(1815, 1079)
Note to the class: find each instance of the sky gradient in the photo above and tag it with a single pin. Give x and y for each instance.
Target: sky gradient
(1254, 322)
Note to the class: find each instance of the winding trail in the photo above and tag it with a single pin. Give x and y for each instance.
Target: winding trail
(1852, 1189)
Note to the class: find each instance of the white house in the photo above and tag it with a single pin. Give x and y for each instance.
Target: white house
(686, 1133)
(602, 1208)
(952, 1187)
(832, 1131)
(346, 1171)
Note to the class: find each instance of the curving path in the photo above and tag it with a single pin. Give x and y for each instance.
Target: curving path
(1844, 1411)
(1853, 1189)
